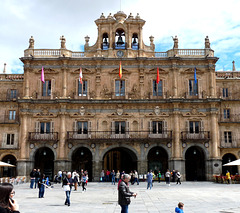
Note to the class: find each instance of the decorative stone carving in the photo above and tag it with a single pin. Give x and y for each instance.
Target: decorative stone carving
(207, 43)
(82, 110)
(63, 42)
(157, 110)
(175, 40)
(31, 43)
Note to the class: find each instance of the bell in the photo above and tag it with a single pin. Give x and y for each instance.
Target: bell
(105, 41)
(120, 41)
(134, 41)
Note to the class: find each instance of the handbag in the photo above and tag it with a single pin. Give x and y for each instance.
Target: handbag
(66, 188)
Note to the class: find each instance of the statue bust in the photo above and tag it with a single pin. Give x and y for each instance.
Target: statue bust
(31, 43)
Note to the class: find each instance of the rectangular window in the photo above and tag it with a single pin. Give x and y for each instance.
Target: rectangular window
(12, 115)
(10, 139)
(157, 88)
(226, 113)
(13, 93)
(82, 127)
(120, 127)
(82, 88)
(120, 88)
(194, 127)
(45, 127)
(228, 137)
(46, 88)
(225, 92)
(193, 88)
(157, 127)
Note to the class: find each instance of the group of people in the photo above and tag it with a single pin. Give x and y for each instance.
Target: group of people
(173, 175)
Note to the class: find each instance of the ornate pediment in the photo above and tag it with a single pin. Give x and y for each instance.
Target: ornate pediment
(154, 71)
(191, 71)
(194, 112)
(116, 71)
(48, 71)
(82, 112)
(45, 113)
(84, 71)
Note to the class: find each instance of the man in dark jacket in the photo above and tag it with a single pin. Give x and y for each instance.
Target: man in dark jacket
(124, 193)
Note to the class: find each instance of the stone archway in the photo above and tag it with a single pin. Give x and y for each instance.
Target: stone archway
(157, 160)
(82, 159)
(120, 158)
(226, 159)
(44, 160)
(195, 164)
(9, 171)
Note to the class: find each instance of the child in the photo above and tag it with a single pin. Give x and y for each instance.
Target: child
(179, 209)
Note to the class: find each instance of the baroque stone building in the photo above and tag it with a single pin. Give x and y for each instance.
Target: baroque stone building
(188, 121)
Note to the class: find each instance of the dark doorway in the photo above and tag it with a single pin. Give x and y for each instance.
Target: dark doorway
(157, 160)
(121, 159)
(44, 160)
(227, 158)
(195, 164)
(9, 171)
(82, 159)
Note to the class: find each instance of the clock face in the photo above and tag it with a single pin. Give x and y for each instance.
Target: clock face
(120, 53)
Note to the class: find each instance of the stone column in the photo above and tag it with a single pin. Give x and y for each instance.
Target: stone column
(64, 83)
(99, 38)
(175, 86)
(214, 134)
(26, 78)
(212, 83)
(62, 135)
(176, 134)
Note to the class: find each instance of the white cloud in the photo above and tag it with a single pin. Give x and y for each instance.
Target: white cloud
(47, 20)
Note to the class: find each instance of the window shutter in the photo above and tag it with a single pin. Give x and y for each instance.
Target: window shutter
(75, 126)
(53, 95)
(4, 139)
(165, 126)
(15, 139)
(76, 90)
(201, 126)
(89, 129)
(200, 88)
(37, 127)
(88, 89)
(127, 126)
(113, 127)
(187, 88)
(39, 88)
(51, 126)
(150, 126)
(187, 126)
(164, 90)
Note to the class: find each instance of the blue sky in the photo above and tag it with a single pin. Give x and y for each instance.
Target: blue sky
(190, 20)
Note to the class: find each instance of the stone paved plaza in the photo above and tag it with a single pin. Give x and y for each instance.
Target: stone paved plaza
(204, 197)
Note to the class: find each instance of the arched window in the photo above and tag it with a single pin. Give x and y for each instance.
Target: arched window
(105, 42)
(135, 41)
(120, 39)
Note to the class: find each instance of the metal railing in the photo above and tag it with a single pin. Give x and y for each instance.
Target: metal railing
(201, 135)
(36, 136)
(73, 135)
(9, 119)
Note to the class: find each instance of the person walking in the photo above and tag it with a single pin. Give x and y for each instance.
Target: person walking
(124, 194)
(167, 177)
(7, 203)
(159, 176)
(32, 178)
(67, 186)
(179, 209)
(149, 180)
(41, 186)
(118, 176)
(136, 177)
(102, 176)
(84, 181)
(107, 175)
(178, 177)
(113, 174)
(37, 177)
(228, 177)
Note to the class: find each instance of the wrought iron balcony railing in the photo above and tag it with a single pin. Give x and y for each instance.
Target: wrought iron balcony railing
(201, 135)
(37, 136)
(74, 135)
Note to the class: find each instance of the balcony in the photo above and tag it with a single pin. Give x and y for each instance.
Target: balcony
(227, 75)
(156, 95)
(232, 144)
(6, 119)
(41, 137)
(201, 136)
(129, 135)
(232, 118)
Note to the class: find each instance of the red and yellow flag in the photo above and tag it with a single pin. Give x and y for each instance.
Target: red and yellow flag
(158, 77)
(120, 70)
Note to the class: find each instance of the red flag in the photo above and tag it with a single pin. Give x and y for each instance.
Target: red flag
(80, 75)
(158, 78)
(120, 70)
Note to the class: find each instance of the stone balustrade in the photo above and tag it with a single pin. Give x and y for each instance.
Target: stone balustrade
(227, 74)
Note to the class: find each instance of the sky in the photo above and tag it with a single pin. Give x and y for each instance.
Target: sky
(191, 21)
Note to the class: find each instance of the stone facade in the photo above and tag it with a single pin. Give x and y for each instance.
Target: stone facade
(188, 121)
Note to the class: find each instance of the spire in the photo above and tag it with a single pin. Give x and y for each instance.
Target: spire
(4, 68)
(233, 67)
